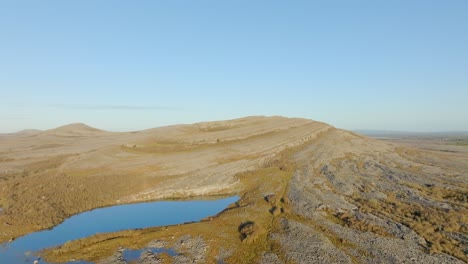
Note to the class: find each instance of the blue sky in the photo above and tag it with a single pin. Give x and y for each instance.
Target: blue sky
(128, 65)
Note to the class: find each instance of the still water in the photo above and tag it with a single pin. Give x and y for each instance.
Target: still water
(111, 219)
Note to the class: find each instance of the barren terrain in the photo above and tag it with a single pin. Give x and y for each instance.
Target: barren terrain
(310, 193)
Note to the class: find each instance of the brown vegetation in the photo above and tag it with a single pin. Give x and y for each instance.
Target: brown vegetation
(338, 189)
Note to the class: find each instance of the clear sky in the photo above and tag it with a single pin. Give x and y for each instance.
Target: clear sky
(128, 65)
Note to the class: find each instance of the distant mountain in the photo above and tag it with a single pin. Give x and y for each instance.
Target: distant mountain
(75, 129)
(27, 132)
(393, 134)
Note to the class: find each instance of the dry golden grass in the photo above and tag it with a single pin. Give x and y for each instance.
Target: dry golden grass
(334, 238)
(36, 202)
(242, 228)
(161, 147)
(348, 220)
(252, 208)
(245, 244)
(432, 223)
(164, 146)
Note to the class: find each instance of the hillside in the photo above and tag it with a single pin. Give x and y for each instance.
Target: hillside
(338, 197)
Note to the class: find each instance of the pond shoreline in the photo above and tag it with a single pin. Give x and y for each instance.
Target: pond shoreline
(114, 218)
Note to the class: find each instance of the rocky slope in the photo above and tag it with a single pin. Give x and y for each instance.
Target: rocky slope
(382, 203)
(310, 193)
(46, 177)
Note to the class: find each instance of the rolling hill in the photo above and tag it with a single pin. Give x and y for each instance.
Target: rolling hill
(310, 193)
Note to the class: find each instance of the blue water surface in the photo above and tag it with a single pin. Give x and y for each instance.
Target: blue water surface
(111, 219)
(133, 255)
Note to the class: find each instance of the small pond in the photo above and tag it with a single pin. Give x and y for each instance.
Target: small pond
(111, 219)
